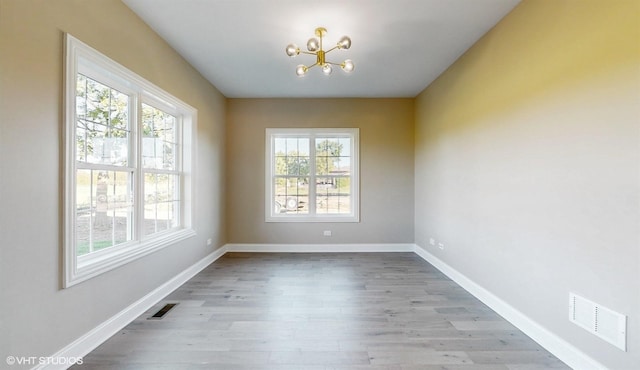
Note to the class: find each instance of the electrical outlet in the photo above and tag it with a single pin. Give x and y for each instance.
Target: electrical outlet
(326, 233)
(209, 241)
(432, 241)
(441, 245)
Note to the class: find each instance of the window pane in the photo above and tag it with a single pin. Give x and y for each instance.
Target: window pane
(160, 202)
(343, 166)
(280, 146)
(322, 166)
(328, 152)
(292, 165)
(102, 123)
(104, 209)
(343, 189)
(159, 142)
(291, 195)
(169, 151)
(280, 187)
(291, 156)
(345, 146)
(303, 146)
(333, 195)
(292, 145)
(281, 165)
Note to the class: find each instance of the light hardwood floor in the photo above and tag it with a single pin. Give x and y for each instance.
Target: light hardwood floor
(333, 311)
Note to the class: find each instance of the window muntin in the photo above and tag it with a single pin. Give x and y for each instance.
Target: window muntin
(128, 171)
(312, 175)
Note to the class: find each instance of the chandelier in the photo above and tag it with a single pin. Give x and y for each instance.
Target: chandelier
(314, 45)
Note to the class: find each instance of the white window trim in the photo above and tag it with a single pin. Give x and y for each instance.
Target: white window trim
(271, 216)
(78, 269)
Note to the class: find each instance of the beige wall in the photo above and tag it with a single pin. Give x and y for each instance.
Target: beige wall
(37, 317)
(386, 168)
(528, 165)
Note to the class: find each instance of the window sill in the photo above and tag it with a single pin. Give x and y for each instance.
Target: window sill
(297, 218)
(89, 266)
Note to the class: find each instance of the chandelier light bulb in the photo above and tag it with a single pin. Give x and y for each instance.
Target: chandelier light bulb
(327, 69)
(347, 65)
(344, 43)
(292, 50)
(313, 44)
(301, 70)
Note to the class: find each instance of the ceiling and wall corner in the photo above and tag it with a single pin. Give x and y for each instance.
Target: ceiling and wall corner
(399, 46)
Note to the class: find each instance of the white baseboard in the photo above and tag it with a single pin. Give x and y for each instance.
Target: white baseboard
(557, 346)
(88, 342)
(320, 248)
(560, 348)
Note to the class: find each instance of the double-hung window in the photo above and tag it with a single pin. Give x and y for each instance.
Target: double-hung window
(128, 170)
(312, 175)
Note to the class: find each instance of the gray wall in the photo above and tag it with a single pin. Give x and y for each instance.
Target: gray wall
(37, 317)
(386, 168)
(528, 165)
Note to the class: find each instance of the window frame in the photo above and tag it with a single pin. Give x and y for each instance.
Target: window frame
(81, 58)
(312, 133)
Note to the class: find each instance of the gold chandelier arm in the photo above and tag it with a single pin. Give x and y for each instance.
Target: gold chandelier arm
(312, 65)
(307, 52)
(333, 48)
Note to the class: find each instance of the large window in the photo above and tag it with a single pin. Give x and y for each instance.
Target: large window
(128, 170)
(312, 175)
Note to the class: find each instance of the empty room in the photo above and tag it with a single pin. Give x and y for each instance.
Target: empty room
(287, 185)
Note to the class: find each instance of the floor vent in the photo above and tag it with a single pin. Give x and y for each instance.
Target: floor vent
(601, 321)
(163, 311)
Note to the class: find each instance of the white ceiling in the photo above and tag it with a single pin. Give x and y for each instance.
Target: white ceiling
(398, 46)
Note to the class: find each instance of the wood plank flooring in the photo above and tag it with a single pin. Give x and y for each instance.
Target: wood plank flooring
(334, 311)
